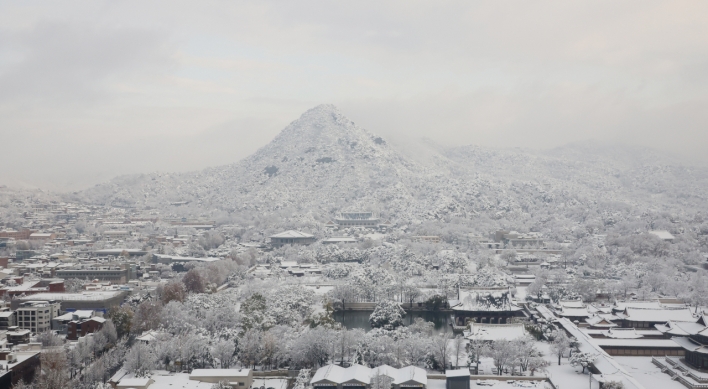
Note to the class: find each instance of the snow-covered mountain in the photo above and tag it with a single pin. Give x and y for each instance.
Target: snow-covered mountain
(323, 163)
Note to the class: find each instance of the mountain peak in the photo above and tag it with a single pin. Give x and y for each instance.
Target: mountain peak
(324, 125)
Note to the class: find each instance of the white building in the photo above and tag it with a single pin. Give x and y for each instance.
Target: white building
(37, 316)
(336, 377)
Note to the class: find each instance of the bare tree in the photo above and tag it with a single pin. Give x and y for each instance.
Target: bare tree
(147, 316)
(560, 344)
(502, 353)
(439, 347)
(49, 339)
(193, 281)
(381, 381)
(174, 290)
(458, 345)
(109, 329)
(54, 370)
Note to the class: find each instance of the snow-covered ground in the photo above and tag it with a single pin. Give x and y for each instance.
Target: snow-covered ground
(647, 373)
(275, 383)
(564, 376)
(503, 384)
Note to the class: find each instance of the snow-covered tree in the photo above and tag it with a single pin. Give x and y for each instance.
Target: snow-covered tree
(583, 359)
(224, 351)
(502, 353)
(303, 379)
(140, 360)
(387, 314)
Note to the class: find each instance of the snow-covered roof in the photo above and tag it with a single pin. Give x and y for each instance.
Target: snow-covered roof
(402, 375)
(571, 304)
(337, 374)
(83, 313)
(622, 333)
(480, 301)
(85, 296)
(292, 234)
(457, 373)
(604, 363)
(546, 313)
(574, 312)
(657, 343)
(663, 234)
(148, 336)
(225, 373)
(622, 305)
(166, 380)
(680, 328)
(659, 315)
(363, 374)
(133, 382)
(492, 332)
(690, 344)
(600, 321)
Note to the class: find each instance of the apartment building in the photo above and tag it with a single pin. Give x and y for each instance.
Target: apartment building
(37, 316)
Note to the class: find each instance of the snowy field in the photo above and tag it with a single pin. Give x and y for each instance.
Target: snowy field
(647, 373)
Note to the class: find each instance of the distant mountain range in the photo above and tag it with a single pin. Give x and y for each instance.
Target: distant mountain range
(323, 163)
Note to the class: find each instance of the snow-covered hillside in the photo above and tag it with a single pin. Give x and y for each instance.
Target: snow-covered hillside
(323, 163)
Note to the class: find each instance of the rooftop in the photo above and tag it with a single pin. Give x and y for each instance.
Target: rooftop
(220, 373)
(86, 296)
(292, 234)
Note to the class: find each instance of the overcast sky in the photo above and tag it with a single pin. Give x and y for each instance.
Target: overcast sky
(90, 90)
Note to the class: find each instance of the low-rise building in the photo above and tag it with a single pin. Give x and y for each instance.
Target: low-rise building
(7, 319)
(116, 234)
(357, 219)
(457, 379)
(82, 327)
(60, 324)
(119, 274)
(39, 236)
(517, 239)
(17, 336)
(358, 376)
(291, 237)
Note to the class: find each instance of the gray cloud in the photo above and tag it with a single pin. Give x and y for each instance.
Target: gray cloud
(92, 91)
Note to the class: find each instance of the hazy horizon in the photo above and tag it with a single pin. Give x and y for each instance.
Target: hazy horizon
(90, 91)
